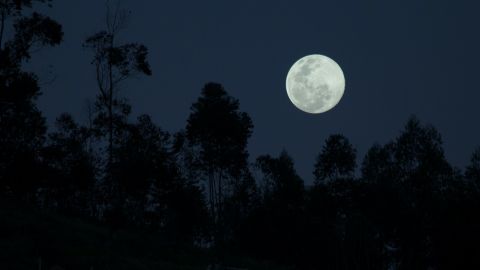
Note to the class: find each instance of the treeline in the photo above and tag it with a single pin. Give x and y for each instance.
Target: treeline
(408, 209)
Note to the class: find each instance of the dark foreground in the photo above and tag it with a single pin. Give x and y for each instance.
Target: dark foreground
(33, 239)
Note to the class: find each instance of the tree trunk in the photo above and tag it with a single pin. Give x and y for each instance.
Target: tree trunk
(110, 108)
(2, 27)
(211, 193)
(220, 197)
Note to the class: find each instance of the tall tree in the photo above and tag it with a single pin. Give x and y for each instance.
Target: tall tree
(114, 63)
(22, 126)
(218, 134)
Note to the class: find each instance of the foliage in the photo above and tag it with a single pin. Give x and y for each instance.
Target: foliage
(22, 126)
(217, 132)
(337, 160)
(71, 169)
(114, 64)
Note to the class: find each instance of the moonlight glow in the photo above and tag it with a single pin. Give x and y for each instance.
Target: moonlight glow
(315, 83)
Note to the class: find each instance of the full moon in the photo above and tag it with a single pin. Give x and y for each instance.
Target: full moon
(315, 83)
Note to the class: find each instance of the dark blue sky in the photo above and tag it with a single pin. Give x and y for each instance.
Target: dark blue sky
(399, 58)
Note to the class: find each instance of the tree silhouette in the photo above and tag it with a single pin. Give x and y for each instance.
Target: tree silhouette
(281, 183)
(142, 152)
(114, 64)
(72, 166)
(273, 229)
(218, 133)
(472, 172)
(410, 176)
(22, 126)
(337, 160)
(377, 164)
(419, 157)
(14, 8)
(146, 172)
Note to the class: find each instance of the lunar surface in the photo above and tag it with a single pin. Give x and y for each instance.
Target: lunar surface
(315, 83)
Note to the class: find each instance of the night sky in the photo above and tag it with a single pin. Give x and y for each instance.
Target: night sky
(399, 58)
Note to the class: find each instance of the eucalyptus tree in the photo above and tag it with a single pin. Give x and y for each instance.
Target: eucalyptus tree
(217, 132)
(114, 63)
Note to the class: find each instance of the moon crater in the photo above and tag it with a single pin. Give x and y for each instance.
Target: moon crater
(315, 83)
